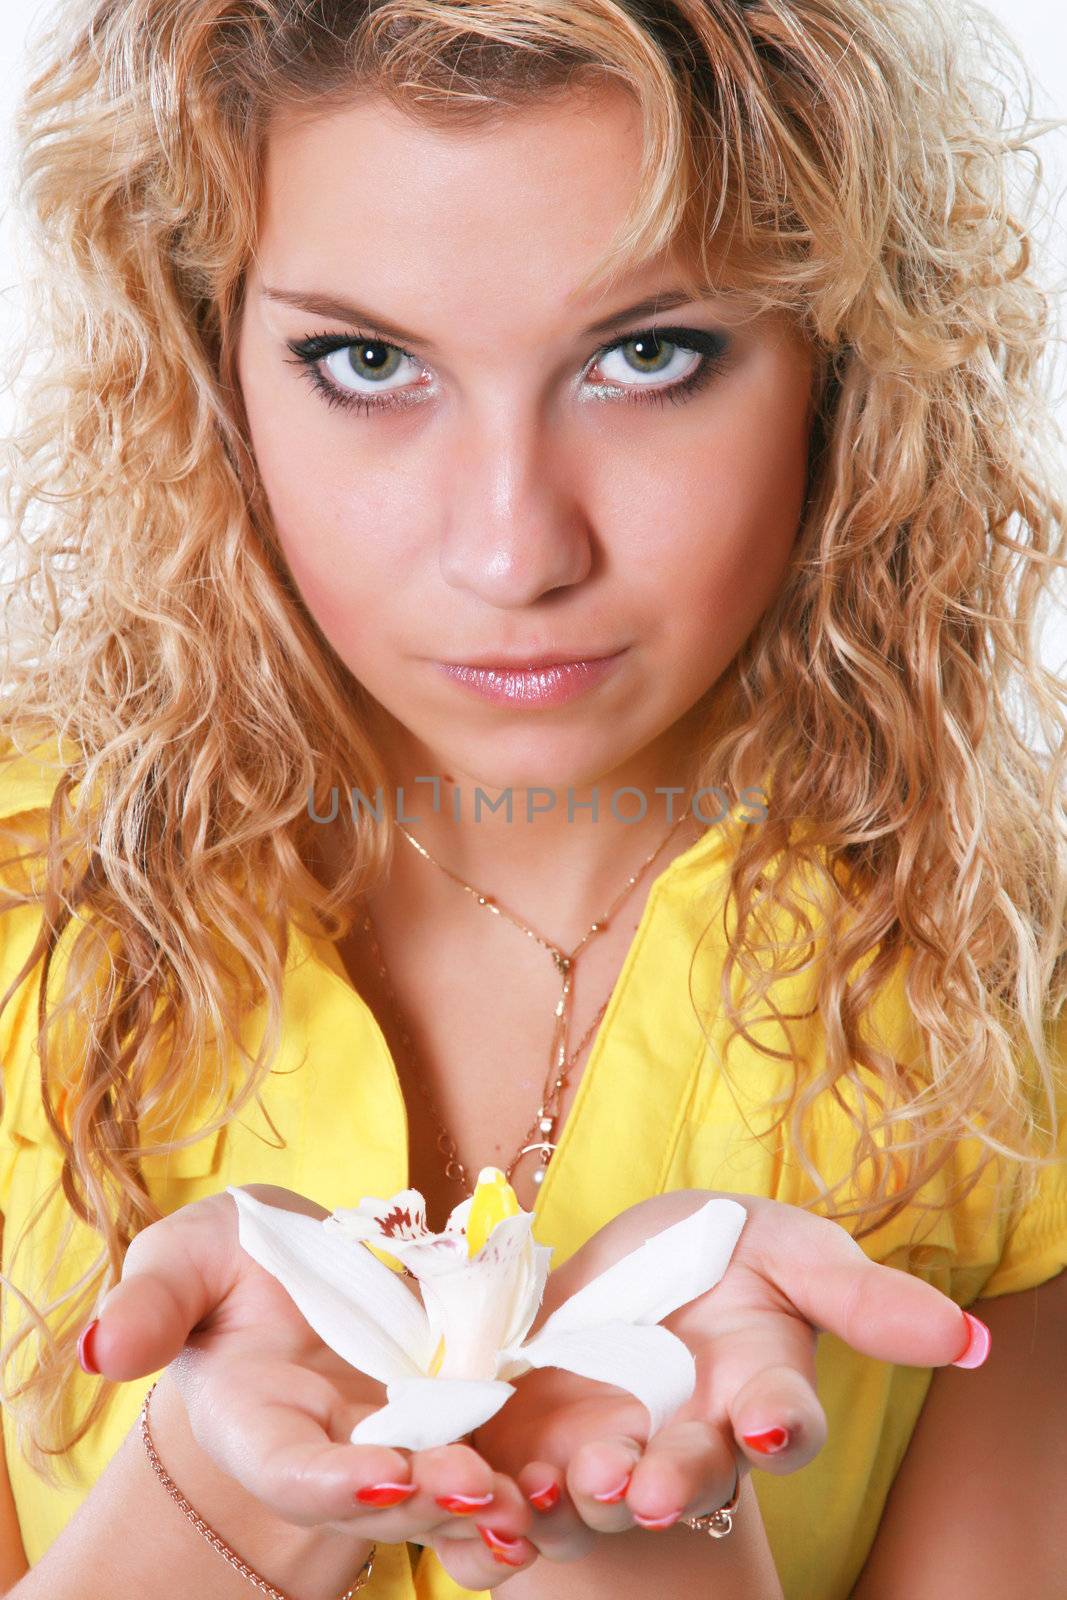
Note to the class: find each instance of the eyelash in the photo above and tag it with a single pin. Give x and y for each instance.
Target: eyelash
(307, 354)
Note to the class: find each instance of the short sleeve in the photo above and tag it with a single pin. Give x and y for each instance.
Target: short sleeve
(1035, 1238)
(999, 1235)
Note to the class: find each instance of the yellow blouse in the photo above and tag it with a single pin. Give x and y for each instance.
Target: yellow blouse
(652, 1113)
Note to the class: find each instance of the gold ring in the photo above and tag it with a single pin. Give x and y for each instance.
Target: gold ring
(717, 1524)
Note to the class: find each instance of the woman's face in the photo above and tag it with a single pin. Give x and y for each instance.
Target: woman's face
(456, 474)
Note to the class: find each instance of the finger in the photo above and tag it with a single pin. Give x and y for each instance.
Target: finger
(270, 1425)
(686, 1468)
(760, 1385)
(557, 1530)
(474, 1565)
(880, 1311)
(452, 1478)
(777, 1420)
(417, 1492)
(488, 1544)
(174, 1274)
(598, 1478)
(453, 1488)
(466, 1494)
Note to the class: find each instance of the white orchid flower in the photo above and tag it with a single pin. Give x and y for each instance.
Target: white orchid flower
(445, 1358)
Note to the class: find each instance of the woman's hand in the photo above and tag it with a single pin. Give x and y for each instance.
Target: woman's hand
(273, 1406)
(753, 1336)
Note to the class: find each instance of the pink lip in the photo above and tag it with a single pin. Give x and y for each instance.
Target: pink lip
(539, 686)
(532, 662)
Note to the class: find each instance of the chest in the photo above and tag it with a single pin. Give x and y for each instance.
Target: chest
(470, 1023)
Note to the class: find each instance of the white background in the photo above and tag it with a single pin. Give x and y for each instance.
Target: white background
(1039, 26)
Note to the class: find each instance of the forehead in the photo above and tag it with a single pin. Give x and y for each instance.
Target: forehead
(371, 147)
(511, 215)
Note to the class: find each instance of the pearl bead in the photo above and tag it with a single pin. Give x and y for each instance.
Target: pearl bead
(539, 1175)
(545, 1124)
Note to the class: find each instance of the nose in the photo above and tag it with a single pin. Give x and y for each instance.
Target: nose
(512, 525)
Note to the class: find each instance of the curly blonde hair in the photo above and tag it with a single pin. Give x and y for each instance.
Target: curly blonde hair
(856, 158)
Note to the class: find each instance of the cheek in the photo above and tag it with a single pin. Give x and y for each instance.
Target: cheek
(756, 517)
(337, 564)
(731, 507)
(340, 528)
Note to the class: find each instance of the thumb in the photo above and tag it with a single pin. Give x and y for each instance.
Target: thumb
(880, 1311)
(175, 1273)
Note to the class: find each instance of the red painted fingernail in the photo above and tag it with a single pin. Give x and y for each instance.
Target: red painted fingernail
(769, 1442)
(385, 1494)
(544, 1499)
(463, 1505)
(611, 1497)
(979, 1343)
(503, 1549)
(657, 1522)
(85, 1348)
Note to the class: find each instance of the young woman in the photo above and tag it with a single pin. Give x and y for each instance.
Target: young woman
(430, 749)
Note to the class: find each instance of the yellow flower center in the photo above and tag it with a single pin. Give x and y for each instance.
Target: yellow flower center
(438, 1356)
(384, 1256)
(494, 1200)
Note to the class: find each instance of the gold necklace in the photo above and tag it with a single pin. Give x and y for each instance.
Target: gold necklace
(559, 1066)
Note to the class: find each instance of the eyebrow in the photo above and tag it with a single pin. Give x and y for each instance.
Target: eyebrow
(324, 305)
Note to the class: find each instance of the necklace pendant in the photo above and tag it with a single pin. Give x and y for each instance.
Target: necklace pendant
(545, 1149)
(547, 1152)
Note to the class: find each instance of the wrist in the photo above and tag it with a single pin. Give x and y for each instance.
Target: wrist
(305, 1563)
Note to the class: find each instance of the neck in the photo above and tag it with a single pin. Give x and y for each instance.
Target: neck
(556, 855)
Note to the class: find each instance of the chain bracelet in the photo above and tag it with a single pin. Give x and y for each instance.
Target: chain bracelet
(213, 1539)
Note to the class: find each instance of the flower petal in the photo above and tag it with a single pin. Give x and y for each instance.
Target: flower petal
(355, 1304)
(651, 1363)
(530, 1293)
(671, 1268)
(424, 1412)
(457, 1217)
(479, 1304)
(447, 1252)
(437, 1253)
(394, 1229)
(402, 1216)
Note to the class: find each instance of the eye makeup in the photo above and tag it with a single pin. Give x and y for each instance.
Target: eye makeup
(713, 348)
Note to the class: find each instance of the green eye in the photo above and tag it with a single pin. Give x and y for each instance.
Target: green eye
(371, 360)
(347, 370)
(648, 356)
(652, 354)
